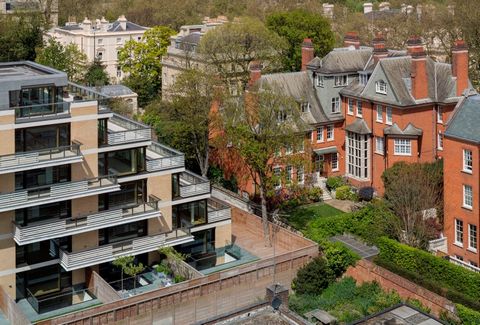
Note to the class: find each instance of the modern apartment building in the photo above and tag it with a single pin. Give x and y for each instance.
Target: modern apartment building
(100, 39)
(81, 186)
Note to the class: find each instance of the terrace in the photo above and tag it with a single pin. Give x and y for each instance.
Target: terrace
(193, 185)
(121, 130)
(161, 157)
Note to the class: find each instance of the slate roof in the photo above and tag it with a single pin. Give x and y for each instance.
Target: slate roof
(299, 86)
(465, 119)
(344, 60)
(410, 130)
(359, 126)
(116, 27)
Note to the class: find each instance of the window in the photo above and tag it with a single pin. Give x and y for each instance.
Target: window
(335, 104)
(320, 134)
(458, 257)
(357, 148)
(472, 237)
(288, 150)
(473, 264)
(334, 162)
(350, 106)
(363, 79)
(278, 177)
(459, 232)
(119, 40)
(359, 108)
(100, 56)
(330, 130)
(300, 175)
(379, 113)
(341, 81)
(100, 41)
(281, 116)
(119, 71)
(319, 80)
(381, 87)
(440, 141)
(467, 161)
(467, 196)
(389, 115)
(139, 38)
(288, 176)
(305, 107)
(379, 145)
(439, 115)
(402, 147)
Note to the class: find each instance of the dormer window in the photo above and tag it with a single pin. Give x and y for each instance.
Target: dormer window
(319, 80)
(363, 79)
(305, 107)
(381, 87)
(341, 81)
(282, 116)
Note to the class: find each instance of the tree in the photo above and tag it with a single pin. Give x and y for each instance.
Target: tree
(257, 127)
(297, 25)
(188, 119)
(230, 49)
(96, 74)
(313, 278)
(122, 263)
(132, 270)
(410, 190)
(64, 58)
(142, 61)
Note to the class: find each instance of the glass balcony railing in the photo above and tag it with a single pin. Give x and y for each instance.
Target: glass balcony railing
(58, 300)
(21, 161)
(192, 185)
(33, 112)
(57, 192)
(161, 157)
(106, 253)
(55, 228)
(78, 93)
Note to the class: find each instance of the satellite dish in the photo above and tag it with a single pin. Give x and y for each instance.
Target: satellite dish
(276, 302)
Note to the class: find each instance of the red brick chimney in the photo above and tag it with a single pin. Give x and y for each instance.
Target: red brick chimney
(460, 65)
(307, 52)
(351, 38)
(379, 49)
(418, 72)
(255, 73)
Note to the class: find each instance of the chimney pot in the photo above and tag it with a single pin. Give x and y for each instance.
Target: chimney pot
(367, 7)
(351, 39)
(418, 72)
(307, 52)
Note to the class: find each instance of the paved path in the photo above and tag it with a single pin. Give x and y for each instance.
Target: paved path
(342, 205)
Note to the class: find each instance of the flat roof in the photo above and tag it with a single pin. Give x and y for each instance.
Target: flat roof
(25, 69)
(400, 315)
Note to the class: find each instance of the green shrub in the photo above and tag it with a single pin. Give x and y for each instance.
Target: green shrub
(434, 273)
(163, 268)
(313, 278)
(339, 257)
(418, 304)
(334, 182)
(468, 316)
(345, 193)
(315, 194)
(178, 278)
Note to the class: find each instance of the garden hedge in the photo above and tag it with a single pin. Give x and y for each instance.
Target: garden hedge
(435, 273)
(468, 316)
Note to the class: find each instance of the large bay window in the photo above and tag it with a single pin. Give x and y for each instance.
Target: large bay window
(357, 155)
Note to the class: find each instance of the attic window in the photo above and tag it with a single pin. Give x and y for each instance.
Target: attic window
(319, 80)
(381, 87)
(341, 81)
(305, 107)
(363, 79)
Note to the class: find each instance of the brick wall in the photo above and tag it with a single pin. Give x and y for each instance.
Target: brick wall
(366, 271)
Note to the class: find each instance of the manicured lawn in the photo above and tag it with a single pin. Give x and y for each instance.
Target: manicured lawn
(301, 216)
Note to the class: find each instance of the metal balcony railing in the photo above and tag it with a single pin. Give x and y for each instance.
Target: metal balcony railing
(192, 184)
(39, 158)
(455, 260)
(80, 93)
(123, 130)
(218, 211)
(161, 157)
(56, 228)
(57, 192)
(33, 112)
(106, 253)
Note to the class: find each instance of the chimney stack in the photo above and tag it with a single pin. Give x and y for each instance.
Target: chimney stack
(328, 10)
(379, 49)
(123, 22)
(418, 72)
(255, 72)
(351, 39)
(367, 7)
(460, 65)
(384, 6)
(307, 52)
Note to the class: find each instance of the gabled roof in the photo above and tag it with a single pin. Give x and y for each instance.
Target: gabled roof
(410, 130)
(299, 86)
(116, 27)
(359, 126)
(465, 120)
(344, 61)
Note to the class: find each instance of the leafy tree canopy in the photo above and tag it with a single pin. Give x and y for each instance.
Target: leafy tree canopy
(96, 74)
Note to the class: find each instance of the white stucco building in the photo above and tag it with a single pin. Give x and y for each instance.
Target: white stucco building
(101, 39)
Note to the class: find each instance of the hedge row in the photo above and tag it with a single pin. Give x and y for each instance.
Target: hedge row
(437, 274)
(468, 316)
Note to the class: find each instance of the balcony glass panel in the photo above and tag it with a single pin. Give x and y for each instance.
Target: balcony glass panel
(189, 214)
(43, 137)
(122, 162)
(42, 176)
(58, 210)
(42, 281)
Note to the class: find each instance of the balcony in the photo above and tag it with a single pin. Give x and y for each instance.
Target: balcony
(21, 161)
(122, 130)
(57, 192)
(161, 157)
(193, 185)
(218, 211)
(66, 227)
(106, 253)
(464, 264)
(40, 112)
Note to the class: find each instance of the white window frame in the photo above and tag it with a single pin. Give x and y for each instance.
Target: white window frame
(288, 150)
(363, 79)
(277, 171)
(467, 161)
(439, 115)
(334, 159)
(472, 237)
(380, 145)
(467, 197)
(381, 87)
(458, 232)
(319, 80)
(388, 115)
(357, 148)
(300, 175)
(340, 81)
(350, 106)
(330, 132)
(288, 174)
(359, 108)
(335, 104)
(402, 147)
(379, 114)
(305, 107)
(320, 132)
(440, 141)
